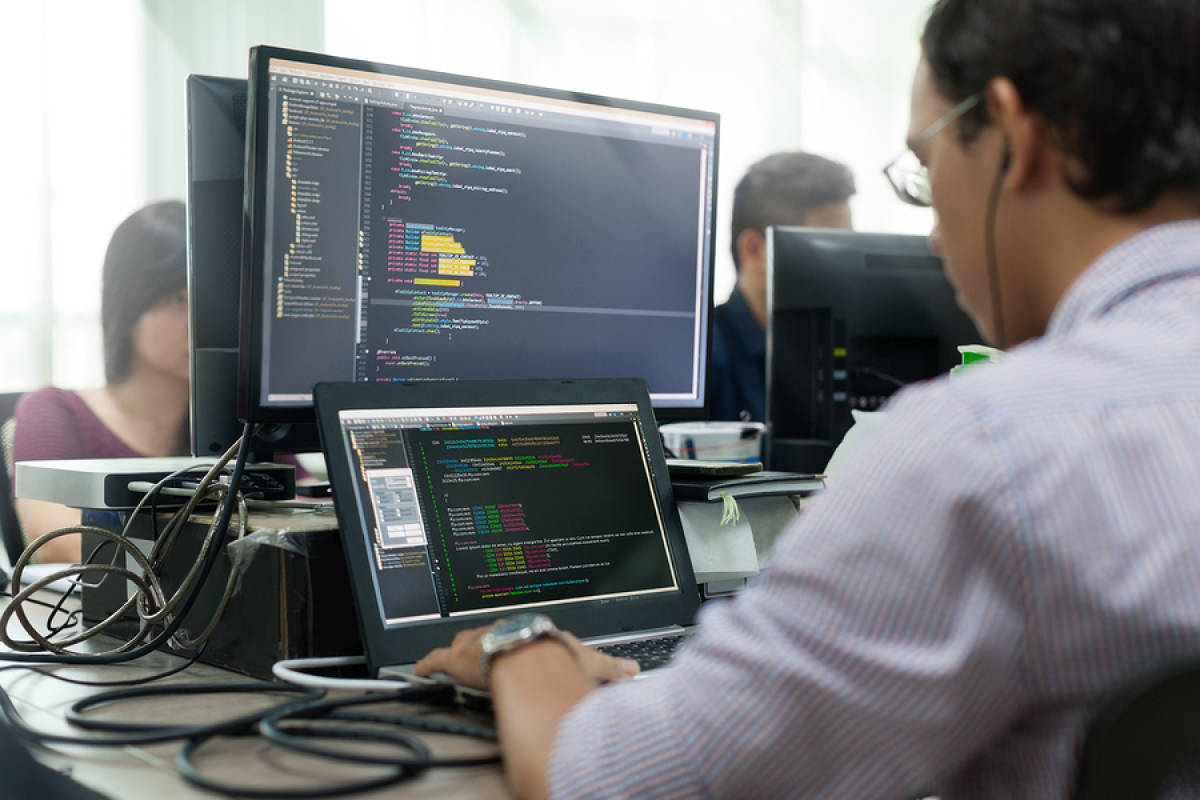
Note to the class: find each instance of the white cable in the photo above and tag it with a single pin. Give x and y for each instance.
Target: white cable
(288, 670)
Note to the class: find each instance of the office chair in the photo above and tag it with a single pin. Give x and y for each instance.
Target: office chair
(1144, 742)
(24, 776)
(10, 527)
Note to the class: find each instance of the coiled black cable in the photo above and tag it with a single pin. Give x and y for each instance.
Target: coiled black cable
(280, 727)
(77, 717)
(294, 737)
(142, 733)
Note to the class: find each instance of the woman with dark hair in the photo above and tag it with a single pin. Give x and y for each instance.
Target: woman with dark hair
(142, 408)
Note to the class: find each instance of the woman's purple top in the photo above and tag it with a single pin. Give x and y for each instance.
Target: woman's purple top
(55, 423)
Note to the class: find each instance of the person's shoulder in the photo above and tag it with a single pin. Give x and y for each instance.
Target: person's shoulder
(1057, 402)
(736, 335)
(732, 310)
(1116, 364)
(48, 422)
(721, 318)
(989, 400)
(721, 333)
(961, 419)
(48, 399)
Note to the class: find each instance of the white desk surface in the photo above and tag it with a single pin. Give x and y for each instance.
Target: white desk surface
(149, 771)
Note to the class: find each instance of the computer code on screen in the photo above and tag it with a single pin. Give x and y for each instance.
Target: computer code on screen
(424, 237)
(469, 520)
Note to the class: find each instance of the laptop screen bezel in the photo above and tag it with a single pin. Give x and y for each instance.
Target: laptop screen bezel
(386, 646)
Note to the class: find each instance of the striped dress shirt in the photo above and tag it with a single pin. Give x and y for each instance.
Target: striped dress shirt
(1002, 551)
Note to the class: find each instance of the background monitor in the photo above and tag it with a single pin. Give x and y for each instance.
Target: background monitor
(417, 226)
(216, 156)
(852, 317)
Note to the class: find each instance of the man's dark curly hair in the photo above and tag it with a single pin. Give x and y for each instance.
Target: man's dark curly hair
(1118, 81)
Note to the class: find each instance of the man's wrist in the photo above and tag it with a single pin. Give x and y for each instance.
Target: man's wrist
(514, 633)
(534, 658)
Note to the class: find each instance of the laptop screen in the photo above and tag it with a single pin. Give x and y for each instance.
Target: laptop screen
(477, 510)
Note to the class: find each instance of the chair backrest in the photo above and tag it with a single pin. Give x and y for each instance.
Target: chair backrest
(10, 526)
(8, 404)
(1144, 741)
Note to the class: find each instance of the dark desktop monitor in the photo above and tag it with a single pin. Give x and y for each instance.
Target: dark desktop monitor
(852, 317)
(216, 157)
(405, 225)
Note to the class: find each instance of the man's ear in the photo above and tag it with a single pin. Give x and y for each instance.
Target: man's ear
(1022, 157)
(752, 250)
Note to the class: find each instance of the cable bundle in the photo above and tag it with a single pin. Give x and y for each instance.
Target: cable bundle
(155, 609)
(292, 725)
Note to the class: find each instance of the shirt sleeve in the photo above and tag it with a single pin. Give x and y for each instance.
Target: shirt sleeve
(46, 427)
(882, 647)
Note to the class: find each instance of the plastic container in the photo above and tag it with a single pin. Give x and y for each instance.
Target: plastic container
(714, 441)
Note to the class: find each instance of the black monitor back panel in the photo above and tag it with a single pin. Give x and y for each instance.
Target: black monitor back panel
(216, 142)
(853, 316)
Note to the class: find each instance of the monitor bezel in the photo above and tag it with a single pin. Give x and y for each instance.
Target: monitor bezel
(251, 405)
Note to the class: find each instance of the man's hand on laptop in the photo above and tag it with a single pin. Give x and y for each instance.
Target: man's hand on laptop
(461, 659)
(533, 685)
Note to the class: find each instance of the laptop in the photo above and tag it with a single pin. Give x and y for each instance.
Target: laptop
(459, 503)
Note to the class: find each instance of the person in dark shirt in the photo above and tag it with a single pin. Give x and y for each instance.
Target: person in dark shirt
(781, 189)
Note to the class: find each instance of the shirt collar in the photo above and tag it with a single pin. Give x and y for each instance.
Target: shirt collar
(1146, 258)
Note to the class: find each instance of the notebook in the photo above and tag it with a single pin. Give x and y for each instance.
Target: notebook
(462, 502)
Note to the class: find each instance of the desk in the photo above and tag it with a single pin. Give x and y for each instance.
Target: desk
(149, 771)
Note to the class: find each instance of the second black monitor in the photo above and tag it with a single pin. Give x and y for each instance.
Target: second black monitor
(417, 226)
(216, 158)
(853, 317)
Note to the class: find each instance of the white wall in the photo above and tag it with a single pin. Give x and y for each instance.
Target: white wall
(71, 171)
(99, 132)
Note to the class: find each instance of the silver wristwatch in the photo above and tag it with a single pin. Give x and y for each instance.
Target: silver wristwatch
(511, 633)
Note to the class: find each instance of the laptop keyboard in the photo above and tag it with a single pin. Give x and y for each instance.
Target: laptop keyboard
(648, 653)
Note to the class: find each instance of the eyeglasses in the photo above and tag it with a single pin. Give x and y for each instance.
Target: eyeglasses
(907, 175)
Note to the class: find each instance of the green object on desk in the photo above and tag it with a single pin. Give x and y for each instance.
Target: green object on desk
(973, 355)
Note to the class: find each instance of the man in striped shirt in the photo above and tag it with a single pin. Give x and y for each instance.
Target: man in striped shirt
(1007, 548)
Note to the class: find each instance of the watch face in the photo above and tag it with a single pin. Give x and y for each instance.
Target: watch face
(511, 626)
(511, 633)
